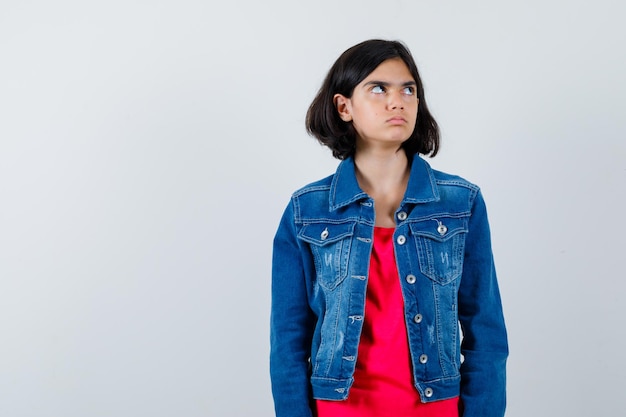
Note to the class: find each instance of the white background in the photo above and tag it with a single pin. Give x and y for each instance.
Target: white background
(148, 148)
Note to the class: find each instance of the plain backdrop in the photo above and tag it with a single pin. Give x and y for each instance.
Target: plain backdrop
(148, 149)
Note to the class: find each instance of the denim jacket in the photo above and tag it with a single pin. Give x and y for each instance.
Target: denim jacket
(443, 253)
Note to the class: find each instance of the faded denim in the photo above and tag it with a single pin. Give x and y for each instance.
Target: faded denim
(446, 270)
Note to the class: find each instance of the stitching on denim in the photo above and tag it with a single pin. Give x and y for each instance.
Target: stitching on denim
(296, 210)
(315, 220)
(336, 327)
(438, 329)
(443, 214)
(457, 182)
(357, 197)
(310, 189)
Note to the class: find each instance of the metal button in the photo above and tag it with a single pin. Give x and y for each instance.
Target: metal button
(423, 358)
(442, 229)
(402, 215)
(324, 234)
(410, 279)
(428, 392)
(417, 318)
(401, 240)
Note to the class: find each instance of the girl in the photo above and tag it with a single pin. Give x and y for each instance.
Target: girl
(375, 267)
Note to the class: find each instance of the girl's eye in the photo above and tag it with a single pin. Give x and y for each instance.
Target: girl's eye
(378, 89)
(409, 91)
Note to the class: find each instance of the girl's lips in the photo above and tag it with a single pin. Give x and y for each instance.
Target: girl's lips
(396, 120)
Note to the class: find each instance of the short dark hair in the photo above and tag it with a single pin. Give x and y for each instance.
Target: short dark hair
(352, 67)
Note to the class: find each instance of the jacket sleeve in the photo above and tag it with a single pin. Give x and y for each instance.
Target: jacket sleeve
(291, 324)
(484, 346)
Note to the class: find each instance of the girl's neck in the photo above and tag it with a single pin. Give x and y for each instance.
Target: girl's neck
(384, 177)
(380, 173)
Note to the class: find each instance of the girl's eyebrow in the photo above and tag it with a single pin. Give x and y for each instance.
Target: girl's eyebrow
(387, 84)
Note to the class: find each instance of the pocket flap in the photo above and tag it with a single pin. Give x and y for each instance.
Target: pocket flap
(322, 234)
(440, 228)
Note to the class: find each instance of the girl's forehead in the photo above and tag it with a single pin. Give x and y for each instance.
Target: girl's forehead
(391, 68)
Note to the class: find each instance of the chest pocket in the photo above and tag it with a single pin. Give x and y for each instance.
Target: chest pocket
(330, 245)
(440, 246)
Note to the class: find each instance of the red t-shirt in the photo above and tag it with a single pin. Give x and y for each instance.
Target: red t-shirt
(383, 381)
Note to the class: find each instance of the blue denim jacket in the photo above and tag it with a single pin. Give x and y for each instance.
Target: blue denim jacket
(446, 270)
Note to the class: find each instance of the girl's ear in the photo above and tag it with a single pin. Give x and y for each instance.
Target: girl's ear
(343, 106)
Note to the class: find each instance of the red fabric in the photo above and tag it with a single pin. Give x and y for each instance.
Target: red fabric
(383, 381)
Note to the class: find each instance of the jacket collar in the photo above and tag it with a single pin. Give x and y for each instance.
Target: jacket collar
(345, 189)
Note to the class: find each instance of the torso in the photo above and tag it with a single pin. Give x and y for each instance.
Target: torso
(383, 381)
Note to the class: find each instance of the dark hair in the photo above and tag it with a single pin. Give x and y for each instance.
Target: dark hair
(352, 67)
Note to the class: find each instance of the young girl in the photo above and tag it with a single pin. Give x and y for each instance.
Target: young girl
(375, 267)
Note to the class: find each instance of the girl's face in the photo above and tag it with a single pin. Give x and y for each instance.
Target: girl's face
(383, 107)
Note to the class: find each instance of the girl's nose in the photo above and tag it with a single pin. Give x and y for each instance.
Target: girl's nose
(395, 101)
